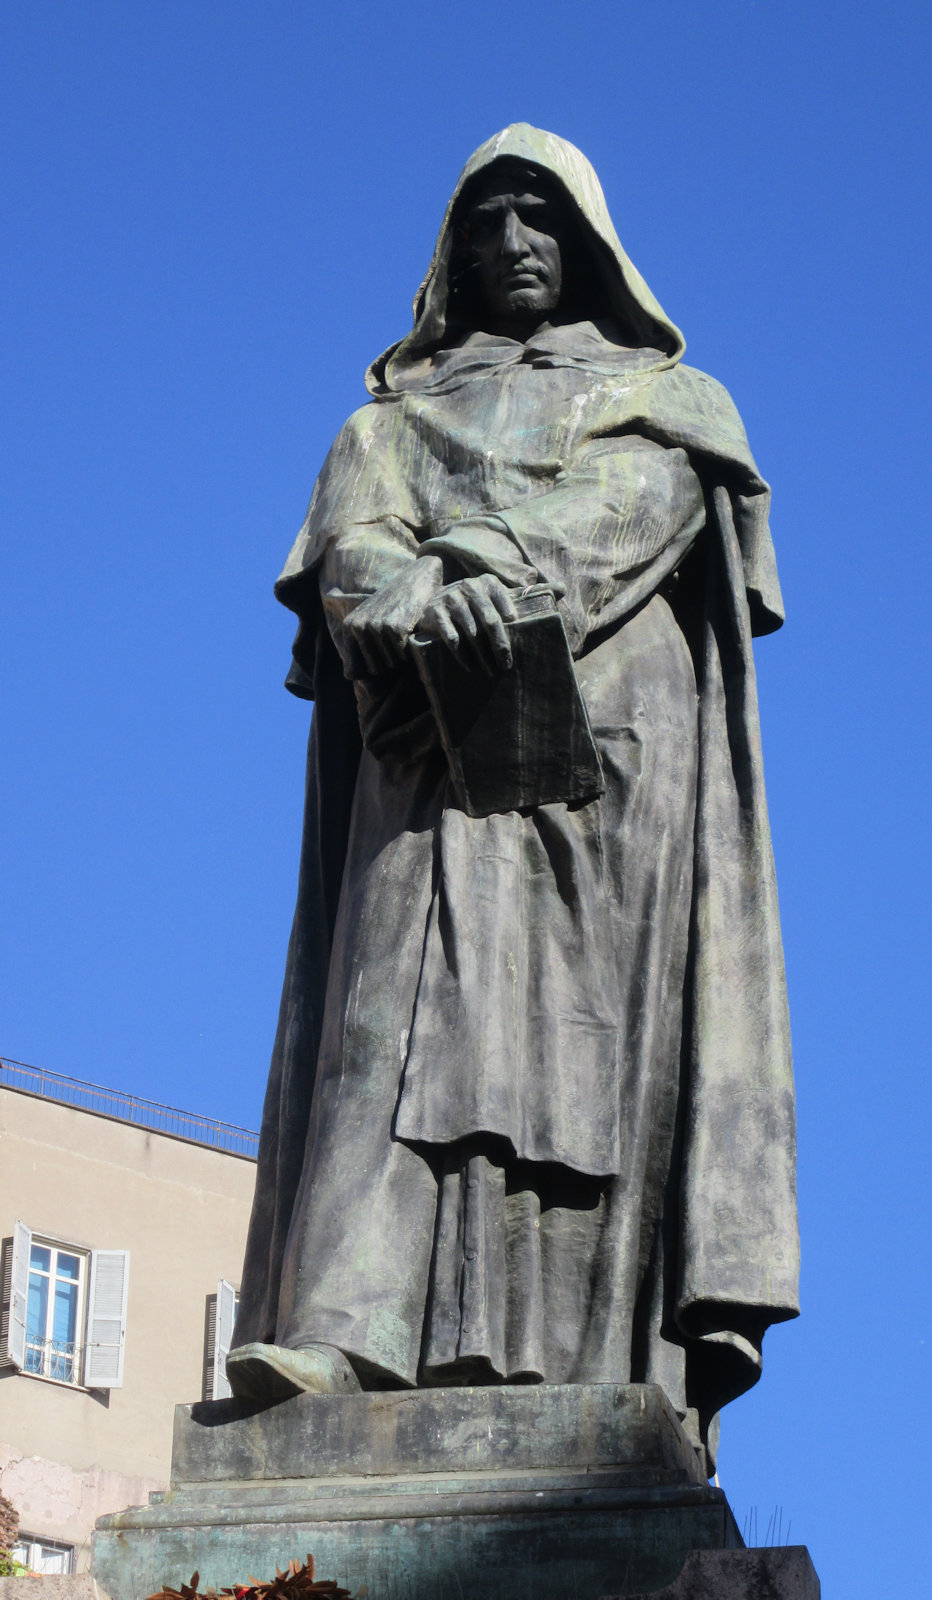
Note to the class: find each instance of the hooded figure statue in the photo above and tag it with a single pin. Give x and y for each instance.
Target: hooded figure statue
(530, 1114)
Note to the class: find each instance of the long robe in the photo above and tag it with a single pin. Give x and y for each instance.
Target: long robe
(530, 1113)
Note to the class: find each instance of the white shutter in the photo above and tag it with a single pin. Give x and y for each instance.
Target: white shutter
(19, 1293)
(223, 1337)
(106, 1319)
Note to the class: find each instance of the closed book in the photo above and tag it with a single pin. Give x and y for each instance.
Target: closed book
(517, 737)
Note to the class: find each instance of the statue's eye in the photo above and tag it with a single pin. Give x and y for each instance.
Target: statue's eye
(541, 218)
(482, 224)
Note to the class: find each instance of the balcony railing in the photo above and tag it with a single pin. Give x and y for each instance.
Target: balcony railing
(128, 1108)
(54, 1358)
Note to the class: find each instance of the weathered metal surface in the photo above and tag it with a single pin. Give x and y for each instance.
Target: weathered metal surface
(479, 1494)
(774, 1574)
(630, 1428)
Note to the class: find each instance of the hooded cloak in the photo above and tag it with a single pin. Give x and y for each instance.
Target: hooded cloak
(530, 1112)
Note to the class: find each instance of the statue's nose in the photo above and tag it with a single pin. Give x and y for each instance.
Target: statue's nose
(514, 238)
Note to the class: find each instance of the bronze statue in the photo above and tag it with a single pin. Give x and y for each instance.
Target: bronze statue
(530, 1114)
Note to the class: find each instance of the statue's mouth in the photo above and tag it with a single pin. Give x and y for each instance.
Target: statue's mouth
(521, 278)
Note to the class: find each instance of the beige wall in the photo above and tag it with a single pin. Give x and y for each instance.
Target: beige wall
(66, 1455)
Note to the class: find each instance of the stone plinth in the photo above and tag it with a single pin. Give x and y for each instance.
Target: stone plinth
(530, 1493)
(784, 1573)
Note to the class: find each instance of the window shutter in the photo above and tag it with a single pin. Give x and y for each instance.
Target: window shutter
(19, 1292)
(223, 1338)
(106, 1319)
(210, 1346)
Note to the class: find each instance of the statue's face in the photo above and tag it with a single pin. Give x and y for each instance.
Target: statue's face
(514, 225)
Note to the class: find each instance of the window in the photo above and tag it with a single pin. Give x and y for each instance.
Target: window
(64, 1313)
(48, 1556)
(53, 1311)
(221, 1316)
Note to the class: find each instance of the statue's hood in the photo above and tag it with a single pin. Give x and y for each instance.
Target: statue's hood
(632, 301)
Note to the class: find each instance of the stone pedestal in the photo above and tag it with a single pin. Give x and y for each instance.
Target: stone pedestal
(529, 1493)
(783, 1573)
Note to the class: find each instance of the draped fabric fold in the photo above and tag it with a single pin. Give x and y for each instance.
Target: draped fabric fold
(541, 1077)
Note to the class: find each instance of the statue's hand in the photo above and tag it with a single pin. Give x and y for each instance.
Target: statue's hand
(378, 630)
(470, 617)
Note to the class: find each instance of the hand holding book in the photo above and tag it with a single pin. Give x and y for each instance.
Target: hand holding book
(470, 618)
(515, 736)
(376, 633)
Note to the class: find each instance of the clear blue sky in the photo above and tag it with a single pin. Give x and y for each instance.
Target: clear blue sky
(215, 214)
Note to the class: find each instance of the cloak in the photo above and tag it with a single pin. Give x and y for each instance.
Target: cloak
(729, 1246)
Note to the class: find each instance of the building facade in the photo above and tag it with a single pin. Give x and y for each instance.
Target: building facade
(123, 1226)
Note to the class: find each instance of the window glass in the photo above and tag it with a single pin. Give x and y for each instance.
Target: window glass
(53, 1558)
(65, 1319)
(48, 1556)
(53, 1312)
(37, 1309)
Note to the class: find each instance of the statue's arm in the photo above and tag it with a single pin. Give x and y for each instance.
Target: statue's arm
(614, 526)
(356, 551)
(372, 588)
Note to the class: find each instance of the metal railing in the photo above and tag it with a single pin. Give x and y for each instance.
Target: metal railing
(54, 1358)
(128, 1108)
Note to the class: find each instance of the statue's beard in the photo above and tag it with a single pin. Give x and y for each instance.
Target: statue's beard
(472, 303)
(529, 300)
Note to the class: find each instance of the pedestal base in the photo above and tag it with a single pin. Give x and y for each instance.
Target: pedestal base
(531, 1493)
(784, 1573)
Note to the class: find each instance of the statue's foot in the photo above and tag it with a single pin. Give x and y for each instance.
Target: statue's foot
(271, 1372)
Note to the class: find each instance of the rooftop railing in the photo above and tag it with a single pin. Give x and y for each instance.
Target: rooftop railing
(128, 1108)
